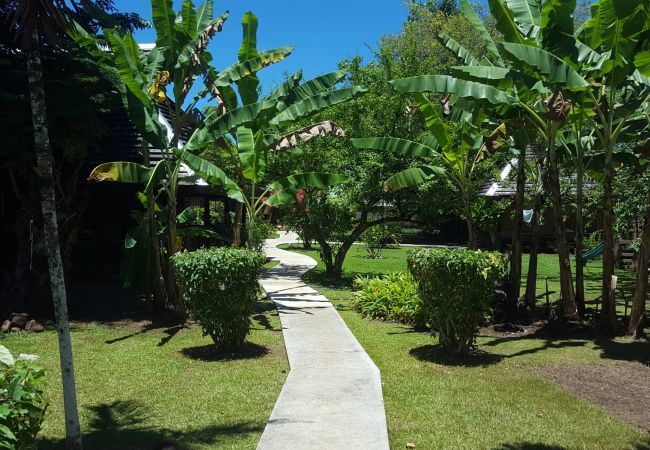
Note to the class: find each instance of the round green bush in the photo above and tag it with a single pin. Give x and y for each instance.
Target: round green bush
(22, 405)
(220, 286)
(456, 288)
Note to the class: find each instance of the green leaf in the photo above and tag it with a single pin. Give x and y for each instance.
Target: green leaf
(280, 198)
(614, 30)
(247, 68)
(433, 121)
(121, 171)
(153, 64)
(8, 435)
(212, 174)
(160, 171)
(250, 150)
(5, 356)
(315, 86)
(248, 87)
(309, 179)
(192, 46)
(163, 16)
(127, 61)
(557, 71)
(412, 177)
(317, 103)
(445, 84)
(461, 52)
(505, 21)
(216, 126)
(482, 73)
(526, 14)
(558, 28)
(394, 145)
(286, 87)
(479, 26)
(189, 18)
(204, 15)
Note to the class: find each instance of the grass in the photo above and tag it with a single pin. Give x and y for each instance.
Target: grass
(356, 264)
(495, 400)
(139, 386)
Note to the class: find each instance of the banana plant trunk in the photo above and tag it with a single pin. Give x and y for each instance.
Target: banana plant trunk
(637, 317)
(517, 233)
(236, 233)
(157, 281)
(607, 319)
(567, 303)
(173, 293)
(44, 169)
(469, 218)
(531, 279)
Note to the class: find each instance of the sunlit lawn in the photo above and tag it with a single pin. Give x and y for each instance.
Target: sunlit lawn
(496, 401)
(138, 387)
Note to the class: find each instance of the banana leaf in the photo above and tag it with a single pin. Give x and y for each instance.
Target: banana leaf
(557, 71)
(121, 171)
(394, 145)
(316, 103)
(412, 177)
(445, 84)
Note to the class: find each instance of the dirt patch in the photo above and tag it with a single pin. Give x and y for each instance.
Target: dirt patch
(621, 388)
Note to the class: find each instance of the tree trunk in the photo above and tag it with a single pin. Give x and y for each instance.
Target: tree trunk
(567, 304)
(517, 232)
(580, 231)
(44, 163)
(637, 316)
(236, 232)
(607, 319)
(531, 280)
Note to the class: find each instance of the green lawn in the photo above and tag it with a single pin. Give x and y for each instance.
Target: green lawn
(497, 401)
(356, 264)
(137, 388)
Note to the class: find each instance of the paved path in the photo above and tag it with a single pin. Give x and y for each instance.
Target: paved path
(332, 398)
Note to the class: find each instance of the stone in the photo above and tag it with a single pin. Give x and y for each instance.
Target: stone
(38, 328)
(19, 319)
(6, 326)
(410, 445)
(16, 329)
(30, 325)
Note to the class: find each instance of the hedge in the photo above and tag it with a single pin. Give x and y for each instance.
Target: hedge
(456, 288)
(220, 286)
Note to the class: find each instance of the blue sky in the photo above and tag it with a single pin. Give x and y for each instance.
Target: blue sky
(322, 32)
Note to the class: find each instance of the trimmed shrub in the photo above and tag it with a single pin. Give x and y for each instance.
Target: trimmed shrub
(220, 286)
(378, 238)
(456, 287)
(22, 405)
(391, 297)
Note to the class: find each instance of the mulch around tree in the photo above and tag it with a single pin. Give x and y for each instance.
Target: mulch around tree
(621, 388)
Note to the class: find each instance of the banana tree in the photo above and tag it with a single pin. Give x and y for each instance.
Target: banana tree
(178, 59)
(529, 27)
(259, 126)
(601, 62)
(456, 155)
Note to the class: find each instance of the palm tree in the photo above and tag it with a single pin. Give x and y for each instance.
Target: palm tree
(29, 19)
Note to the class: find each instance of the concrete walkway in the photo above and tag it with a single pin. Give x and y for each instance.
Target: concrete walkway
(332, 398)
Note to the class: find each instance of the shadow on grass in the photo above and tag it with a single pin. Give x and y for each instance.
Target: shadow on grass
(529, 446)
(121, 425)
(436, 354)
(556, 336)
(211, 352)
